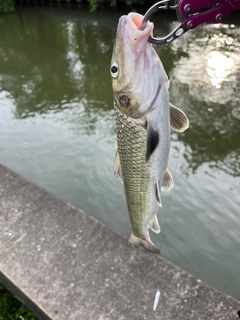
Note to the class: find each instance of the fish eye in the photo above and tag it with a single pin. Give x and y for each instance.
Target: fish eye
(114, 70)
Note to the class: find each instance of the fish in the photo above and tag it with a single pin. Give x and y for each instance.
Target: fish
(144, 118)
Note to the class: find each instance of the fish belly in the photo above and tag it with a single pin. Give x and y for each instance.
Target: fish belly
(138, 179)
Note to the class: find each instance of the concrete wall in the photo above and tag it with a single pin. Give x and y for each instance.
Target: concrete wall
(66, 265)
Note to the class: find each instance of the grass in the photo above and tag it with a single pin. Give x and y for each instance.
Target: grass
(11, 308)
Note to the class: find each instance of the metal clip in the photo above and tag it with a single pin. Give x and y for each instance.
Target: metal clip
(176, 33)
(162, 5)
(191, 14)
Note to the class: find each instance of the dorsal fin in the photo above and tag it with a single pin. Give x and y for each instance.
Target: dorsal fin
(178, 120)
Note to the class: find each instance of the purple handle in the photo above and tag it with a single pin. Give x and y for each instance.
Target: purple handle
(218, 10)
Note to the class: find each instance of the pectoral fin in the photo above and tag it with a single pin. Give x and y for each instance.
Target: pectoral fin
(158, 196)
(152, 141)
(167, 183)
(117, 166)
(178, 120)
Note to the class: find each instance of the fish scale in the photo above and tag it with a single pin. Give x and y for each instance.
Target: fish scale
(137, 177)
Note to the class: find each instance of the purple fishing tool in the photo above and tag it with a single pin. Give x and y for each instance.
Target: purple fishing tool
(191, 14)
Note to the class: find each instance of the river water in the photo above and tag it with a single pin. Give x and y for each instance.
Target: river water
(57, 128)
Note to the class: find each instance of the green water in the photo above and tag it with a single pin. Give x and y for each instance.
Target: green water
(57, 128)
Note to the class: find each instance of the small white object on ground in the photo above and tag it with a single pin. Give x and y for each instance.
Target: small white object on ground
(157, 296)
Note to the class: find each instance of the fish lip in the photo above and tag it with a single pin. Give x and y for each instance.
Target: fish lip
(121, 23)
(129, 26)
(134, 21)
(135, 39)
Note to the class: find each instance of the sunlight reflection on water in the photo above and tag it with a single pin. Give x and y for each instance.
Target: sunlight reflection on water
(211, 65)
(219, 67)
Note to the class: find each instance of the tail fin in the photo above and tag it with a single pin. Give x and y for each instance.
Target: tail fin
(135, 241)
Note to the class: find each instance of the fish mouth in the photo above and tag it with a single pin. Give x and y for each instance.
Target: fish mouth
(130, 25)
(135, 22)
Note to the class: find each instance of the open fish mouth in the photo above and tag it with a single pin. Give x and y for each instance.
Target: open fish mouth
(135, 21)
(130, 25)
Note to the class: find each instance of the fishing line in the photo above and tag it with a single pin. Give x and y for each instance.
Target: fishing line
(170, 196)
(169, 204)
(157, 296)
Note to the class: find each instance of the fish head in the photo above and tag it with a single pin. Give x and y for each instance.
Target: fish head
(136, 69)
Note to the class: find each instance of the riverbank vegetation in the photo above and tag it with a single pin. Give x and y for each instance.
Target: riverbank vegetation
(94, 4)
(11, 308)
(6, 6)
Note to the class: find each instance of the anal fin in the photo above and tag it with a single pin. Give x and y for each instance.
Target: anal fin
(154, 225)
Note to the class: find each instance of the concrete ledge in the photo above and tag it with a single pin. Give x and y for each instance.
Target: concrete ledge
(66, 265)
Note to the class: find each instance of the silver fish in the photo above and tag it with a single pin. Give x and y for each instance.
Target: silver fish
(143, 120)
